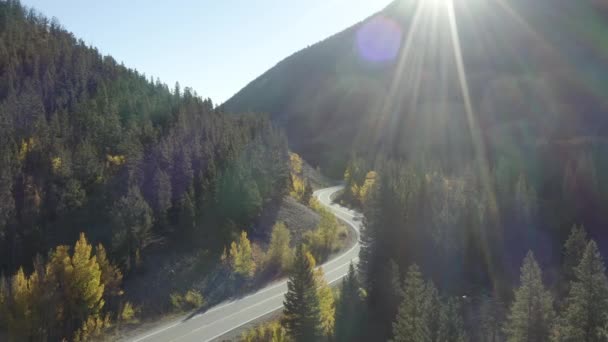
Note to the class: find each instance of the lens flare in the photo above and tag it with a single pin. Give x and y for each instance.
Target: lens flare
(379, 40)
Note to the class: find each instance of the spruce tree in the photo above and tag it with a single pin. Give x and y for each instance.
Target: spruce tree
(586, 314)
(411, 322)
(349, 308)
(531, 316)
(451, 325)
(574, 247)
(301, 306)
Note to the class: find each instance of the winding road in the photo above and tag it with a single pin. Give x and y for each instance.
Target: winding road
(223, 318)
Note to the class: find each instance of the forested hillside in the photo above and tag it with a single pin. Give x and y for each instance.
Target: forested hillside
(88, 145)
(535, 72)
(472, 134)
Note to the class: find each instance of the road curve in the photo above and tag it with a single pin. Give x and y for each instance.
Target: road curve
(225, 317)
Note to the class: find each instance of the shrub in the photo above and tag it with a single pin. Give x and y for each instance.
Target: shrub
(128, 312)
(192, 299)
(272, 331)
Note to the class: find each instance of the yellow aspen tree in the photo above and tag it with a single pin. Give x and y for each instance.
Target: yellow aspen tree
(241, 256)
(86, 281)
(111, 277)
(326, 303)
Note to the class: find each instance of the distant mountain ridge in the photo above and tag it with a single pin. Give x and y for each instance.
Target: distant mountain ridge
(535, 71)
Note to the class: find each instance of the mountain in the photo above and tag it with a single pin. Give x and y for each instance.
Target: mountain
(89, 145)
(534, 71)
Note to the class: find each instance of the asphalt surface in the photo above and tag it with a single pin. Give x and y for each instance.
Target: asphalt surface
(223, 318)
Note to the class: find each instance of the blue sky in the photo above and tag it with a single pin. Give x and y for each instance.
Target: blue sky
(214, 46)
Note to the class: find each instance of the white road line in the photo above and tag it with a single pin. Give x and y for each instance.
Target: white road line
(336, 212)
(261, 315)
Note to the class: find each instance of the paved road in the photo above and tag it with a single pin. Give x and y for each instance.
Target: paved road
(223, 318)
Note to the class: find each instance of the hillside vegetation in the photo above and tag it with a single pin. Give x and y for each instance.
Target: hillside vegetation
(90, 146)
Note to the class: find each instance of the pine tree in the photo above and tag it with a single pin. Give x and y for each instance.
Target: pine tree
(451, 325)
(349, 309)
(433, 311)
(531, 316)
(574, 248)
(586, 313)
(411, 322)
(132, 224)
(301, 306)
(492, 316)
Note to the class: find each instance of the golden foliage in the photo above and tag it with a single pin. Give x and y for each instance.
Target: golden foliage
(27, 145)
(72, 284)
(192, 299)
(295, 163)
(325, 238)
(128, 312)
(115, 160)
(87, 286)
(241, 256)
(268, 332)
(279, 254)
(56, 163)
(92, 327)
(368, 184)
(326, 303)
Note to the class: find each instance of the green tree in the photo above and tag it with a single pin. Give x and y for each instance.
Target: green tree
(411, 322)
(451, 324)
(574, 248)
(301, 306)
(585, 316)
(323, 240)
(279, 254)
(327, 307)
(349, 309)
(132, 224)
(531, 316)
(492, 312)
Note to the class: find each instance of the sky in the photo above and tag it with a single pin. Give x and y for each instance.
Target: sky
(215, 47)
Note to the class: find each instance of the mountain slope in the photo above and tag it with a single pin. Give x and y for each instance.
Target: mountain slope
(88, 145)
(535, 72)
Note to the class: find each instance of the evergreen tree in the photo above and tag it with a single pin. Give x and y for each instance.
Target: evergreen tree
(492, 316)
(301, 306)
(451, 325)
(132, 218)
(585, 316)
(307, 194)
(574, 248)
(349, 309)
(411, 322)
(531, 316)
(433, 313)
